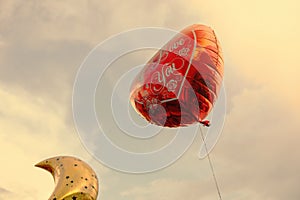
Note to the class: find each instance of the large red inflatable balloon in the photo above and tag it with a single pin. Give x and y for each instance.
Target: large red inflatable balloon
(181, 82)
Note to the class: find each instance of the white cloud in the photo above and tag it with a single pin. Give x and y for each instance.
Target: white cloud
(42, 45)
(33, 129)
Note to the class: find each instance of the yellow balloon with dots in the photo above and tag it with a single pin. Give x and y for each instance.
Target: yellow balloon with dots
(74, 179)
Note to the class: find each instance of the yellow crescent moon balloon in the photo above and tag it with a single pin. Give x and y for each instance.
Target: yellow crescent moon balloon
(74, 179)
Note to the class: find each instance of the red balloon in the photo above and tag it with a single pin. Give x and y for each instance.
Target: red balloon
(181, 82)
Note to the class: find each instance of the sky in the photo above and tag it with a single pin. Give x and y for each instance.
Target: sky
(43, 43)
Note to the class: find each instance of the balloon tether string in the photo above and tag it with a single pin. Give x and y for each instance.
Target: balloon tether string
(211, 166)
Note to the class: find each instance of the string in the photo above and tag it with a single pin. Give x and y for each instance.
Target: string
(211, 166)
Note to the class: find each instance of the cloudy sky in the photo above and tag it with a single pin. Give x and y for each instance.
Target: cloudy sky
(43, 43)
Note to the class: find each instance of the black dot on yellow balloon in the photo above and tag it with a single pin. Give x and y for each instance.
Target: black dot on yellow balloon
(67, 177)
(75, 165)
(85, 187)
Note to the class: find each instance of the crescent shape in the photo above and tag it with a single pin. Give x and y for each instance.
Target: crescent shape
(74, 179)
